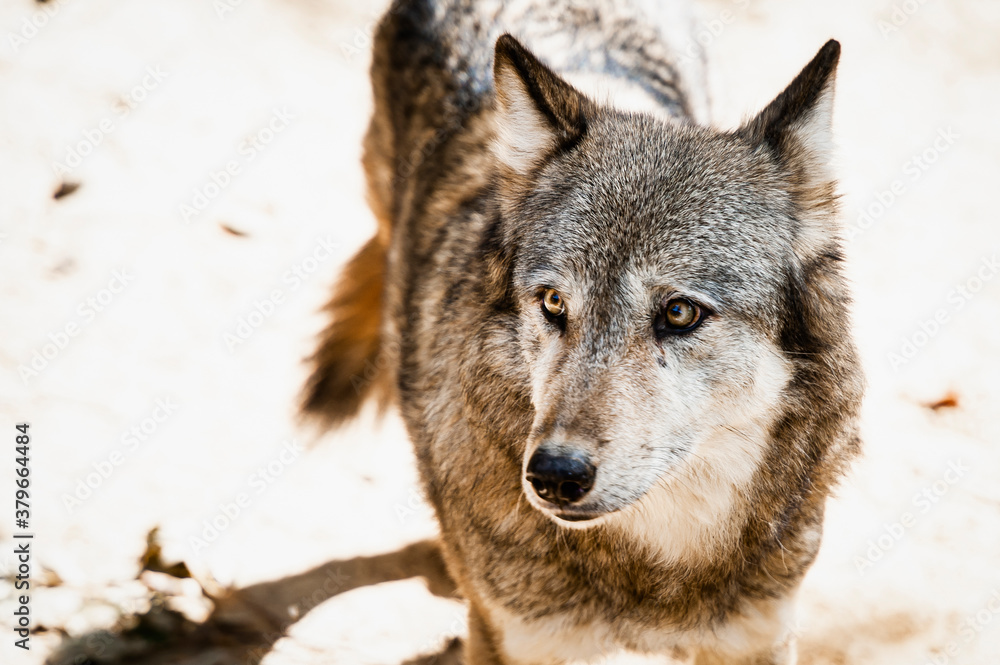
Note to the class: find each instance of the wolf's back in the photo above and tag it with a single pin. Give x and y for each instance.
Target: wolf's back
(431, 73)
(432, 63)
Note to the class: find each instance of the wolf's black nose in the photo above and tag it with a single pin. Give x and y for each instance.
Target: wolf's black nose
(559, 478)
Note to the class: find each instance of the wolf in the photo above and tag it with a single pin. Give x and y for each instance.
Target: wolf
(619, 337)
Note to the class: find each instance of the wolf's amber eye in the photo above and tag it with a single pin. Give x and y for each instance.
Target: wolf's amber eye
(553, 303)
(681, 313)
(677, 316)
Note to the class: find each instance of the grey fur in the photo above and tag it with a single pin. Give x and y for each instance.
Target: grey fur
(752, 414)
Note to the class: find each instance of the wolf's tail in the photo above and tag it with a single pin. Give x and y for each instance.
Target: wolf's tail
(348, 365)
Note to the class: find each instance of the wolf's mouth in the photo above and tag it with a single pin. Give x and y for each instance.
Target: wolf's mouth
(577, 517)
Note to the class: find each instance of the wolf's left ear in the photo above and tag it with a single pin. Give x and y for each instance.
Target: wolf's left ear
(537, 112)
(797, 128)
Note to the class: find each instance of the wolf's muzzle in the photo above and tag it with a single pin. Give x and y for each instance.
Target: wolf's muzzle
(560, 479)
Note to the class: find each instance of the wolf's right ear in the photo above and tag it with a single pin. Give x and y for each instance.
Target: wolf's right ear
(537, 112)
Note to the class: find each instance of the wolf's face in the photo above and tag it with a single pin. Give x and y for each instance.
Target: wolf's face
(649, 275)
(654, 268)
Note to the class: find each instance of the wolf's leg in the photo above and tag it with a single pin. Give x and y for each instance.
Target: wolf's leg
(481, 649)
(783, 653)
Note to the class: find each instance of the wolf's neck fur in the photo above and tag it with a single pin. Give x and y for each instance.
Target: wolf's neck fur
(690, 516)
(698, 510)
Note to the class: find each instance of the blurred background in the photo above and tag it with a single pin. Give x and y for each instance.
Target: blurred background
(179, 185)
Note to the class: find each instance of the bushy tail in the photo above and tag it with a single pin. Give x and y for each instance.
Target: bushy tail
(346, 364)
(349, 366)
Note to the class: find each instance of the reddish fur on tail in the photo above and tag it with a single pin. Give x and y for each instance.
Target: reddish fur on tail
(345, 366)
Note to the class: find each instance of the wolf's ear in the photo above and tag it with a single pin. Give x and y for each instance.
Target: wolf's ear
(797, 128)
(537, 112)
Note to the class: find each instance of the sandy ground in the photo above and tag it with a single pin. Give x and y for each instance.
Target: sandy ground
(154, 320)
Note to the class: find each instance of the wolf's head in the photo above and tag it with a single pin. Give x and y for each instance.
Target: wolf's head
(681, 311)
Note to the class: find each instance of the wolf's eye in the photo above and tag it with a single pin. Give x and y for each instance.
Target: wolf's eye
(677, 316)
(553, 303)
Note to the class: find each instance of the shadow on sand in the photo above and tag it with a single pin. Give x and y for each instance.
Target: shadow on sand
(246, 623)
